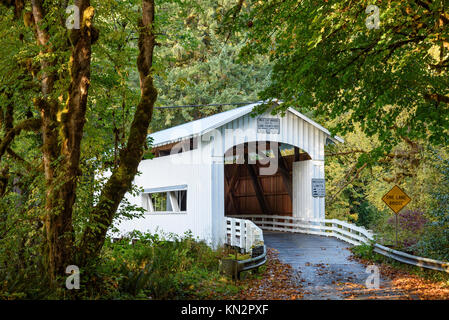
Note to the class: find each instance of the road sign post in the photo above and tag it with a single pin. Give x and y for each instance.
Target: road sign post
(397, 227)
(396, 200)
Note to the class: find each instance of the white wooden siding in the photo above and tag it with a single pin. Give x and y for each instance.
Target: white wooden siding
(293, 130)
(202, 170)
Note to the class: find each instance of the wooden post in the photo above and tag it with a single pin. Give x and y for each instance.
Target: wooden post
(285, 174)
(236, 272)
(258, 189)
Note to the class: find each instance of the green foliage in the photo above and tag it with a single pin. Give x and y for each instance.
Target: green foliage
(142, 266)
(367, 214)
(208, 71)
(152, 266)
(363, 251)
(435, 242)
(25, 283)
(393, 81)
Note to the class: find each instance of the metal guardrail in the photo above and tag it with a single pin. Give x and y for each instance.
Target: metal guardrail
(411, 259)
(256, 262)
(345, 231)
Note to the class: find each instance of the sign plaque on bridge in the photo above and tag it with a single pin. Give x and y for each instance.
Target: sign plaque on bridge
(268, 125)
(396, 199)
(318, 188)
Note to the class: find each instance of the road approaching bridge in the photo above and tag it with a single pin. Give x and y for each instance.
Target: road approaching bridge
(324, 267)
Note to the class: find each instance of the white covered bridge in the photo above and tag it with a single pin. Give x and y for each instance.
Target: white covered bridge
(232, 164)
(227, 176)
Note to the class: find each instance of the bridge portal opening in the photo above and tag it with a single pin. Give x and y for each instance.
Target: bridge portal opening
(258, 178)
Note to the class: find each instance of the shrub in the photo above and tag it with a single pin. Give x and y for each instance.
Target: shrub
(435, 242)
(159, 267)
(367, 215)
(410, 227)
(140, 266)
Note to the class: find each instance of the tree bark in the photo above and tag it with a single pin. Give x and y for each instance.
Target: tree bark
(48, 108)
(62, 130)
(120, 181)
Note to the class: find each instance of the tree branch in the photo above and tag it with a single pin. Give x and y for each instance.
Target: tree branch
(436, 97)
(27, 125)
(344, 153)
(348, 183)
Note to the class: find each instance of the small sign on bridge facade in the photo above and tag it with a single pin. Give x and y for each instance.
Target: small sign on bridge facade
(268, 125)
(318, 188)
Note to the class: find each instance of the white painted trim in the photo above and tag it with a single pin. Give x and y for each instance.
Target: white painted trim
(166, 189)
(165, 213)
(173, 202)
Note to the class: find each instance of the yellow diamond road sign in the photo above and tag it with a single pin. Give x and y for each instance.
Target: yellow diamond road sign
(396, 199)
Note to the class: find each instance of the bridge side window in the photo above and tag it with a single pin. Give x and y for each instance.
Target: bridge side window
(174, 201)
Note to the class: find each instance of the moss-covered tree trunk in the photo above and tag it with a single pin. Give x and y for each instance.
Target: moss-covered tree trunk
(120, 181)
(62, 118)
(62, 128)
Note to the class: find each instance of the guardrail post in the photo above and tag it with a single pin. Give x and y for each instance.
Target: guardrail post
(233, 236)
(242, 234)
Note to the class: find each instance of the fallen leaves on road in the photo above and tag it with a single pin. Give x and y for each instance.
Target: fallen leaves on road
(278, 282)
(413, 286)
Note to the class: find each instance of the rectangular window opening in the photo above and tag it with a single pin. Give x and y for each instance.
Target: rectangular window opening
(173, 201)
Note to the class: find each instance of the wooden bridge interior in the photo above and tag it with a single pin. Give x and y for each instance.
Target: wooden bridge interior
(248, 192)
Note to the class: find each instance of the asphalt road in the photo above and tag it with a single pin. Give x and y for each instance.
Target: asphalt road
(323, 267)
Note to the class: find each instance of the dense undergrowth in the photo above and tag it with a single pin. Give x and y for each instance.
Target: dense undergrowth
(149, 267)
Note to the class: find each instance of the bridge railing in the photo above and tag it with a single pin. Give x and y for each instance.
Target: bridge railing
(248, 237)
(243, 233)
(324, 227)
(344, 231)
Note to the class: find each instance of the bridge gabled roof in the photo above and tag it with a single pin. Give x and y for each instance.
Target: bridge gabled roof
(201, 126)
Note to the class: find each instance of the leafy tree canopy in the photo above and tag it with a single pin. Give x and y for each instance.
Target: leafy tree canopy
(392, 80)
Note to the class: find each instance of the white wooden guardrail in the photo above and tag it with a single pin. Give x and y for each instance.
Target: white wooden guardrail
(243, 233)
(344, 231)
(248, 237)
(326, 227)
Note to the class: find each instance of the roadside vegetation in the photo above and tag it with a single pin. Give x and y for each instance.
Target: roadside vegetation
(423, 226)
(418, 283)
(141, 266)
(78, 102)
(159, 267)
